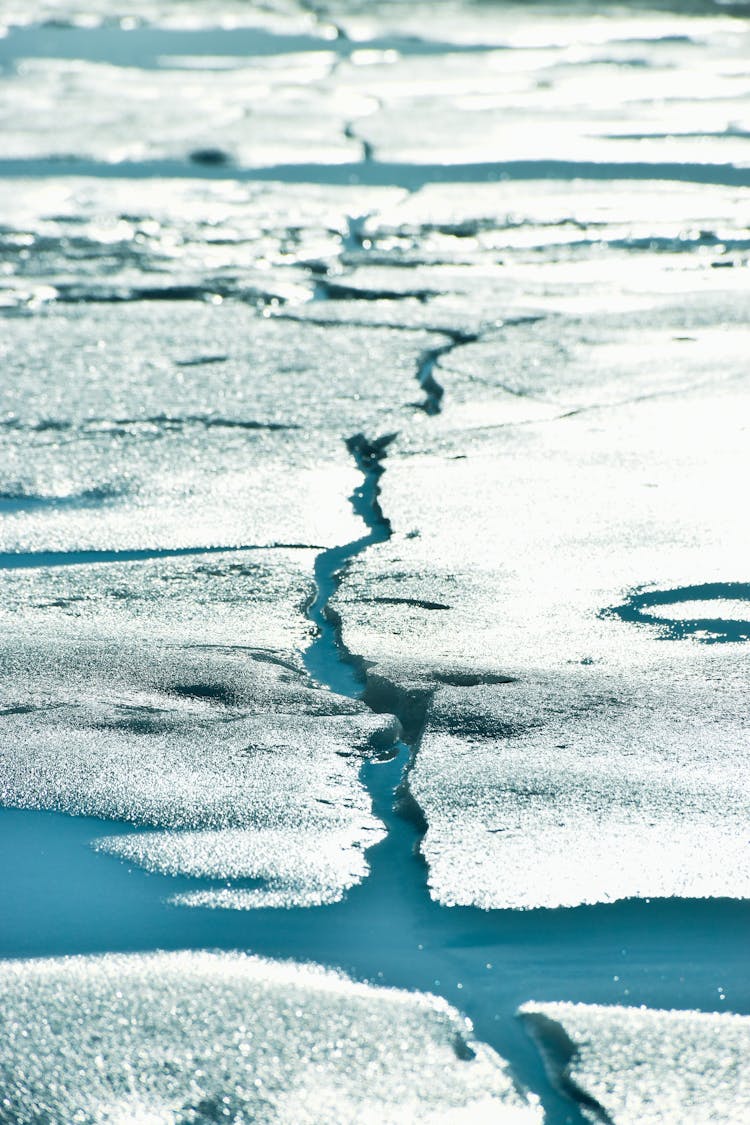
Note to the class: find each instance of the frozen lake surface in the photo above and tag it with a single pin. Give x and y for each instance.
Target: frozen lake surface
(373, 572)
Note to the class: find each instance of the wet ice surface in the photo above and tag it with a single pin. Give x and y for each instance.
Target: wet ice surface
(644, 1066)
(495, 420)
(201, 1037)
(335, 102)
(582, 473)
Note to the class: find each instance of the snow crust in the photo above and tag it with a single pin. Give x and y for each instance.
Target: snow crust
(200, 1037)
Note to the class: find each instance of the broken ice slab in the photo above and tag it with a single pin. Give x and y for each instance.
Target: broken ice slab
(325, 858)
(614, 764)
(495, 264)
(198, 1036)
(637, 1066)
(540, 223)
(174, 424)
(170, 693)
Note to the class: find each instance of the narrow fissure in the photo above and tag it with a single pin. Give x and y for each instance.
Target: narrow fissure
(390, 919)
(429, 360)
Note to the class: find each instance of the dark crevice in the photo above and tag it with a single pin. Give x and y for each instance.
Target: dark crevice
(427, 363)
(418, 603)
(212, 693)
(395, 897)
(472, 679)
(559, 1053)
(355, 238)
(410, 705)
(201, 360)
(368, 150)
(209, 291)
(642, 608)
(327, 659)
(168, 422)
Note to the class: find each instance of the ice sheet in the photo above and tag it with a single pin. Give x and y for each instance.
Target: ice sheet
(169, 424)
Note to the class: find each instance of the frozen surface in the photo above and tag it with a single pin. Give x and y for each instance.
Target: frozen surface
(551, 24)
(168, 424)
(635, 1066)
(203, 1037)
(278, 16)
(570, 102)
(110, 112)
(578, 89)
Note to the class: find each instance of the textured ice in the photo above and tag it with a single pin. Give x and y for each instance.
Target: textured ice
(583, 93)
(562, 103)
(636, 1066)
(553, 25)
(183, 417)
(168, 693)
(201, 1037)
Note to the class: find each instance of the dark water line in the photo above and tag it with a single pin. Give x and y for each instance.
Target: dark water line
(157, 48)
(375, 173)
(326, 658)
(642, 608)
